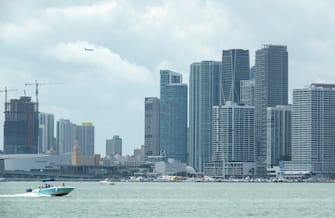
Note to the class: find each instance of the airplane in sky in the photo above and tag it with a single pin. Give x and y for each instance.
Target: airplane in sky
(89, 49)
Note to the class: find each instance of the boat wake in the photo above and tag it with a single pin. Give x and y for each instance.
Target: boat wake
(24, 195)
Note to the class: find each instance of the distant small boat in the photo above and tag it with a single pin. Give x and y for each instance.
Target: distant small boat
(48, 189)
(106, 182)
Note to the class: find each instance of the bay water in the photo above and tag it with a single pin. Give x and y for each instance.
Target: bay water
(179, 199)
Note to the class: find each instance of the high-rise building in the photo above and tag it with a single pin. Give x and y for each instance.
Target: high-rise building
(271, 89)
(114, 146)
(233, 133)
(204, 94)
(173, 115)
(151, 126)
(235, 67)
(21, 126)
(252, 73)
(247, 92)
(85, 136)
(313, 132)
(278, 134)
(66, 135)
(46, 133)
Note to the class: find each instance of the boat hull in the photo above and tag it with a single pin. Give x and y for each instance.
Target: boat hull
(54, 191)
(106, 183)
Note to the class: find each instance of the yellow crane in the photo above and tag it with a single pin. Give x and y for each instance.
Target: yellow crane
(37, 84)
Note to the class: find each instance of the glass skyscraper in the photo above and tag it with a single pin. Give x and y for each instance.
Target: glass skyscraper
(235, 67)
(271, 89)
(204, 94)
(173, 116)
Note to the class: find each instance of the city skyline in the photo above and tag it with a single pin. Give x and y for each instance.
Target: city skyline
(130, 52)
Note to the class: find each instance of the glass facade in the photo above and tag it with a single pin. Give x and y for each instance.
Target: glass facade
(173, 116)
(235, 67)
(204, 94)
(271, 83)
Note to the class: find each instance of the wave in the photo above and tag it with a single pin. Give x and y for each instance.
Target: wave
(25, 195)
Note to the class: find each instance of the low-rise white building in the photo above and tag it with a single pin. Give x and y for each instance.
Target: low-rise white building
(28, 162)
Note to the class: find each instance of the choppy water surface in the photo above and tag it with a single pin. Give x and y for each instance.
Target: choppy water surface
(91, 199)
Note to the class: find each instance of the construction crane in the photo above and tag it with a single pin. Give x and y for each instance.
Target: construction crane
(37, 84)
(5, 91)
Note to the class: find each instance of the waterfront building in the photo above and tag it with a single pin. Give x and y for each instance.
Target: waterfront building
(21, 126)
(271, 89)
(313, 132)
(114, 146)
(173, 115)
(85, 136)
(26, 163)
(46, 133)
(151, 126)
(278, 135)
(233, 142)
(204, 94)
(233, 133)
(247, 92)
(66, 134)
(235, 67)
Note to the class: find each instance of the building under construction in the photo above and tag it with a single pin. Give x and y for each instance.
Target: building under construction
(21, 126)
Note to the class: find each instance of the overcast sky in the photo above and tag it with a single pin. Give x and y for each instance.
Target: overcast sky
(45, 40)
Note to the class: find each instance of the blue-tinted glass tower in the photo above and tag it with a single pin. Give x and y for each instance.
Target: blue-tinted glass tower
(173, 115)
(204, 94)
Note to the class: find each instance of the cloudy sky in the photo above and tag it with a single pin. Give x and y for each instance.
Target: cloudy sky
(46, 40)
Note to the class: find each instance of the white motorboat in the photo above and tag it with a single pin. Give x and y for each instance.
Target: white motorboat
(107, 181)
(50, 190)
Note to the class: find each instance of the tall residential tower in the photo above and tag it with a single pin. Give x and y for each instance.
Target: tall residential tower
(46, 133)
(313, 129)
(85, 136)
(204, 94)
(66, 135)
(151, 126)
